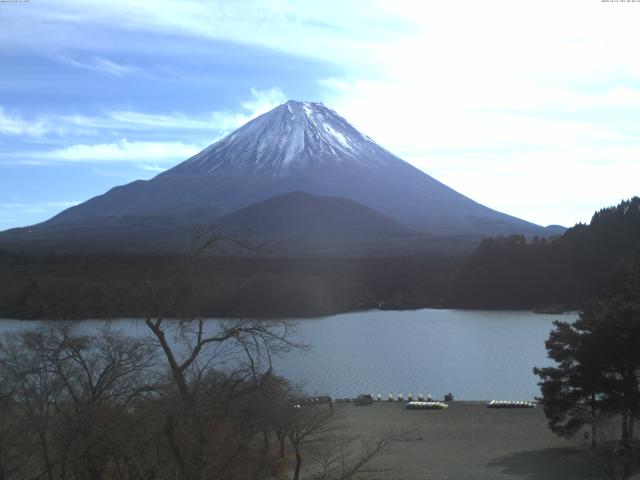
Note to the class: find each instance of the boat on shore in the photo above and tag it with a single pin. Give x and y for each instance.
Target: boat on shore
(510, 404)
(426, 406)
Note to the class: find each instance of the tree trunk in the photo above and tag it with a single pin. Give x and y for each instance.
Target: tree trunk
(594, 427)
(47, 461)
(625, 424)
(296, 475)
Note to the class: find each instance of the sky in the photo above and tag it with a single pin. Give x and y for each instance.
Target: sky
(529, 107)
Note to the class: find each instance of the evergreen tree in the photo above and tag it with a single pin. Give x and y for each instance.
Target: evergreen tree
(597, 372)
(573, 392)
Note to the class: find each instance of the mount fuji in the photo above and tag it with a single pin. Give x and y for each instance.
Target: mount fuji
(296, 147)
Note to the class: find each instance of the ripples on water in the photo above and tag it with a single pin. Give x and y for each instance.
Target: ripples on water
(476, 355)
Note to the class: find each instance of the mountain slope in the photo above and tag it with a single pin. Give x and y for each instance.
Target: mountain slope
(112, 233)
(297, 146)
(299, 222)
(302, 215)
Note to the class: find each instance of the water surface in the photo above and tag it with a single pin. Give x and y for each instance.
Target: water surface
(476, 355)
(473, 354)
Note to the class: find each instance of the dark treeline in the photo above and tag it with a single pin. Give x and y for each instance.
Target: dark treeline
(189, 400)
(505, 272)
(514, 272)
(105, 286)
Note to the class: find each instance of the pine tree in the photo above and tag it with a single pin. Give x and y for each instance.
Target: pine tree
(597, 372)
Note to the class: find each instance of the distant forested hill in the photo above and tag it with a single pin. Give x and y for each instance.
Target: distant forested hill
(119, 285)
(503, 273)
(511, 272)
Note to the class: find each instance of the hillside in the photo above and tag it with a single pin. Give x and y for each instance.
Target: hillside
(511, 272)
(299, 222)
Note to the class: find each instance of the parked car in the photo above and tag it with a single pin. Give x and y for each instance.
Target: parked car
(324, 399)
(363, 400)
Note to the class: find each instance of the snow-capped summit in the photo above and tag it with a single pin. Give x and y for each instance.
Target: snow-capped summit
(297, 146)
(290, 137)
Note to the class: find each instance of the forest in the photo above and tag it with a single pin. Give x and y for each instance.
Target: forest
(108, 286)
(515, 272)
(511, 272)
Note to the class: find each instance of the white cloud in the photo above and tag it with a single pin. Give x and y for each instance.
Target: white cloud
(19, 213)
(332, 29)
(152, 156)
(50, 204)
(538, 163)
(11, 124)
(544, 186)
(124, 151)
(15, 209)
(177, 121)
(531, 108)
(100, 64)
(481, 94)
(215, 122)
(262, 101)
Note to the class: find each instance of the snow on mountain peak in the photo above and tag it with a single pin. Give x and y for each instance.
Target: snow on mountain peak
(292, 136)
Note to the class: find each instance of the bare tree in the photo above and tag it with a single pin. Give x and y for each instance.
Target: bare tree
(240, 355)
(102, 406)
(31, 391)
(308, 425)
(9, 431)
(347, 456)
(332, 452)
(213, 367)
(71, 393)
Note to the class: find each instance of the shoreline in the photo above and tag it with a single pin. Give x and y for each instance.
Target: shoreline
(467, 441)
(309, 317)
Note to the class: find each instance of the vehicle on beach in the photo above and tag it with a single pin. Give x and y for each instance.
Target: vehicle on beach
(363, 400)
(322, 399)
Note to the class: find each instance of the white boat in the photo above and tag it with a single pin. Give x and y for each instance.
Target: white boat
(426, 406)
(510, 404)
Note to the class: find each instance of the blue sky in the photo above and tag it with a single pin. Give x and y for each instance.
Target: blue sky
(532, 109)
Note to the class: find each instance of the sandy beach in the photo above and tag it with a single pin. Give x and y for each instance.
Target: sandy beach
(468, 441)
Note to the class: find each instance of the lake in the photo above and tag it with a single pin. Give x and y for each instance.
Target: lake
(476, 355)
